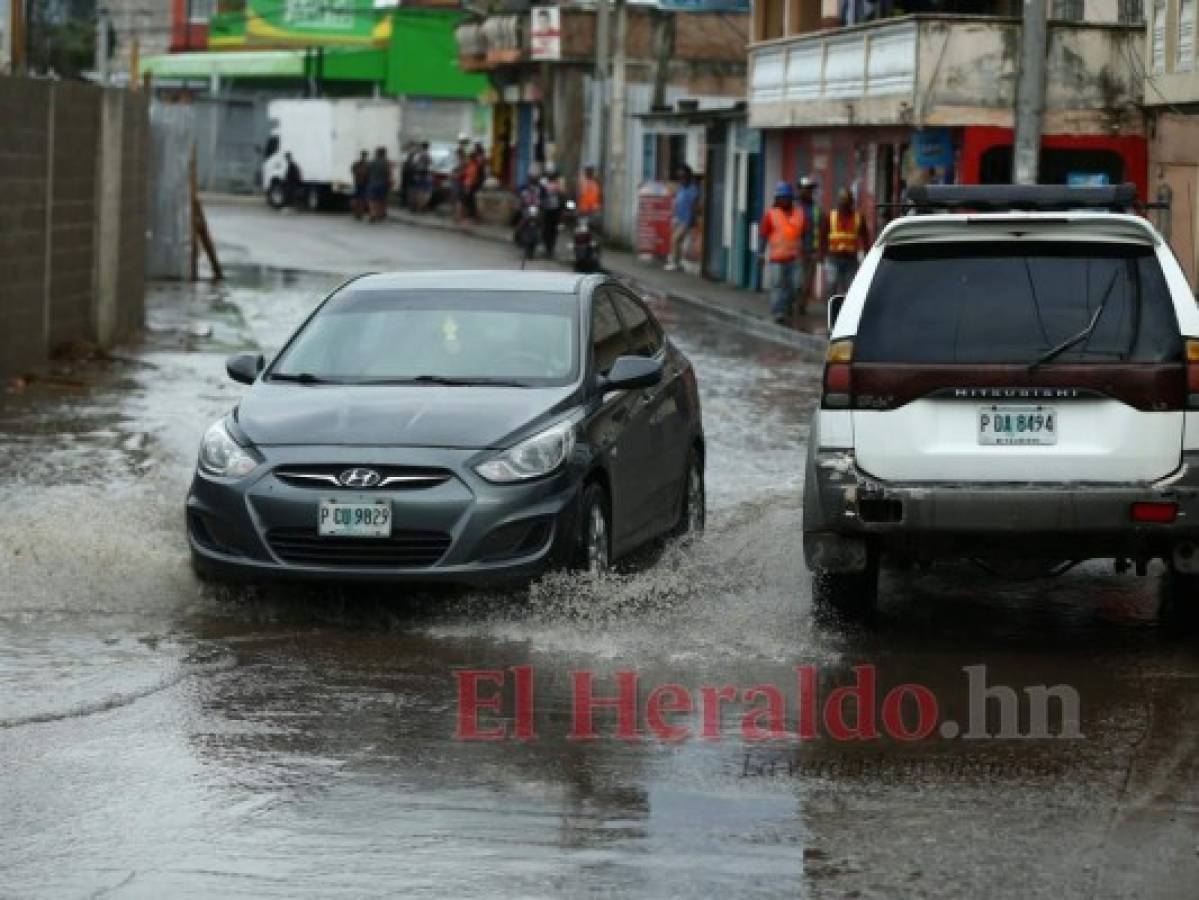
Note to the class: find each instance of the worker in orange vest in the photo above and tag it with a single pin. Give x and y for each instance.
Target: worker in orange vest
(590, 195)
(846, 236)
(781, 234)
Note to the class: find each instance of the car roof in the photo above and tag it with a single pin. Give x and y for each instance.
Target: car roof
(473, 280)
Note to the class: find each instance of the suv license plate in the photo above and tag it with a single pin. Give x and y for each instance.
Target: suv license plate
(1017, 426)
(337, 519)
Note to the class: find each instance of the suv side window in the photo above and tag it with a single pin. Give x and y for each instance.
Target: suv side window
(607, 337)
(645, 337)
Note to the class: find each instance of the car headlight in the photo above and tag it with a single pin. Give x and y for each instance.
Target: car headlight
(221, 455)
(532, 457)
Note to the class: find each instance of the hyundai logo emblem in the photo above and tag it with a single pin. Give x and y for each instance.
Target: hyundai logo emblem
(358, 478)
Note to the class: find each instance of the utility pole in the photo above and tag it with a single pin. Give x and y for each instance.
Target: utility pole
(616, 140)
(599, 82)
(102, 49)
(1030, 93)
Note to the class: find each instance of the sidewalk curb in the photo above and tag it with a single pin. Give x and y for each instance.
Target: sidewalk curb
(812, 345)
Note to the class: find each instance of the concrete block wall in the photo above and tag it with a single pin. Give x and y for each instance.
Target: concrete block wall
(60, 145)
(23, 206)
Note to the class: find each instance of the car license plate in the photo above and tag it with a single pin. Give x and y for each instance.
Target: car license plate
(337, 519)
(1017, 426)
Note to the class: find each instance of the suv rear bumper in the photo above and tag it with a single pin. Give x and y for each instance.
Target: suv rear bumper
(847, 512)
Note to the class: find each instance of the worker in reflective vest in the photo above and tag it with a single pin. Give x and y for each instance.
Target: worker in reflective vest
(846, 235)
(781, 234)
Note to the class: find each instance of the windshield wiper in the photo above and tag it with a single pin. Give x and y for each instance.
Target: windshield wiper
(300, 378)
(463, 382)
(1083, 335)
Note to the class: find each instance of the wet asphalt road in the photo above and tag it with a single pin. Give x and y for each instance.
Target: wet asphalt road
(159, 739)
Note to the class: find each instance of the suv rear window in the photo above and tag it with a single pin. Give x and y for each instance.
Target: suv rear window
(1011, 302)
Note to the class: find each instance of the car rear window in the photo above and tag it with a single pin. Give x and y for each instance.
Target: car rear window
(1012, 302)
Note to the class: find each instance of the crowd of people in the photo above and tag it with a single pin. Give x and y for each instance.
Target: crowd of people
(797, 236)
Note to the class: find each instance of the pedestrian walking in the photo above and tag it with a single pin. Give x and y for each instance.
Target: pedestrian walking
(378, 185)
(422, 177)
(846, 236)
(360, 177)
(781, 234)
(553, 199)
(810, 255)
(293, 181)
(591, 195)
(458, 179)
(686, 208)
(476, 169)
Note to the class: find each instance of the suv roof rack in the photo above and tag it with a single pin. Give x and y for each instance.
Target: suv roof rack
(927, 198)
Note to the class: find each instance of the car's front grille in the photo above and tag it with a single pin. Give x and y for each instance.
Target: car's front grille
(389, 478)
(403, 550)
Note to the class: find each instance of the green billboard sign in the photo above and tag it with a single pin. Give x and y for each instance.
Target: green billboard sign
(301, 23)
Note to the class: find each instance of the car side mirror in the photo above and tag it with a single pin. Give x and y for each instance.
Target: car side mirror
(630, 372)
(245, 367)
(834, 309)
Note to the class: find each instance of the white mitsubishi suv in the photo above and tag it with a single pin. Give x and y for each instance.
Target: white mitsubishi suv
(1013, 377)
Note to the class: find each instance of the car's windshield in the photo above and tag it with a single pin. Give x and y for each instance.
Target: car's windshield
(439, 337)
(1014, 302)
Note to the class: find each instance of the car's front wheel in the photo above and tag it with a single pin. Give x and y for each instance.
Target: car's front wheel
(593, 546)
(694, 512)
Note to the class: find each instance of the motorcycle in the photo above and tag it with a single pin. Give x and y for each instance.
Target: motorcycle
(586, 242)
(528, 229)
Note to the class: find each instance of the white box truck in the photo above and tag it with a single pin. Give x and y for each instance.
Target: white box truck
(325, 137)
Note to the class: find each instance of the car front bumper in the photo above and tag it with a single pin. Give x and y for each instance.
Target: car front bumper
(467, 530)
(847, 512)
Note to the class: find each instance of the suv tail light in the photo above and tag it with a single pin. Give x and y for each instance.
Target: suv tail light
(838, 375)
(1193, 374)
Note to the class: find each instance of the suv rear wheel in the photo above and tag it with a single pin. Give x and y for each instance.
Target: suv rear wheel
(848, 594)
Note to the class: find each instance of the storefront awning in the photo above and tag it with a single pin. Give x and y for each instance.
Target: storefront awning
(249, 64)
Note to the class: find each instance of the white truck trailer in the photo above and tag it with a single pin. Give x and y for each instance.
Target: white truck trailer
(325, 137)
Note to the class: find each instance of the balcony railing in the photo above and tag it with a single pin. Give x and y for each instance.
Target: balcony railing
(930, 70)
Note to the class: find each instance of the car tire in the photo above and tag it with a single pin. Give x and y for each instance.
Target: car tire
(1182, 595)
(851, 595)
(276, 194)
(693, 513)
(201, 571)
(593, 543)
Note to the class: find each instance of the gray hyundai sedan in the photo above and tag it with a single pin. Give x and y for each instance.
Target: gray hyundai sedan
(453, 426)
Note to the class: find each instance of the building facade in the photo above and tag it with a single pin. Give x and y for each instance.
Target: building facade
(1172, 108)
(544, 92)
(876, 105)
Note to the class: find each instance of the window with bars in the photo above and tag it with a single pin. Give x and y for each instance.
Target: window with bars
(1131, 12)
(1158, 48)
(1184, 59)
(1067, 10)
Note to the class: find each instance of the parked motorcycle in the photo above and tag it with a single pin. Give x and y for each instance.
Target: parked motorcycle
(586, 241)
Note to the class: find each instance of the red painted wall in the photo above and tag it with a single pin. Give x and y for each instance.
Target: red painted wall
(1133, 149)
(186, 35)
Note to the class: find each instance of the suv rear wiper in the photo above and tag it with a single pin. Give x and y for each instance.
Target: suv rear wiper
(1083, 335)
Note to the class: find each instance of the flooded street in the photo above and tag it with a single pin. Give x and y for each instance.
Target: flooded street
(163, 738)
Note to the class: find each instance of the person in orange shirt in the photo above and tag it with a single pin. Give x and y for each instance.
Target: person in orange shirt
(781, 234)
(590, 195)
